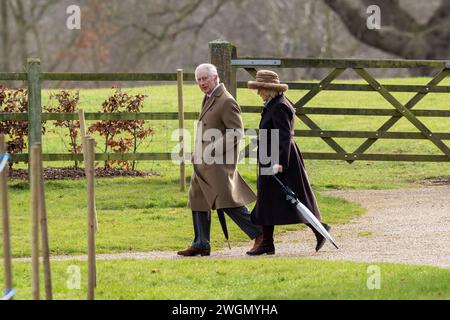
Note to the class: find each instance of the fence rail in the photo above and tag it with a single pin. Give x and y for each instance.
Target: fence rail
(361, 87)
(252, 62)
(79, 76)
(224, 56)
(114, 76)
(22, 116)
(34, 77)
(23, 157)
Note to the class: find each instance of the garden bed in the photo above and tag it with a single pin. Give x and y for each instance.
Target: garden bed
(55, 173)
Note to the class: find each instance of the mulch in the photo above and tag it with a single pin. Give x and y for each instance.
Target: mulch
(52, 173)
(437, 181)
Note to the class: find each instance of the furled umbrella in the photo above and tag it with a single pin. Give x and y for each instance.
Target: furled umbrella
(304, 212)
(223, 224)
(220, 212)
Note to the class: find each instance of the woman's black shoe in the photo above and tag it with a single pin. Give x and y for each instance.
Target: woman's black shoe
(269, 249)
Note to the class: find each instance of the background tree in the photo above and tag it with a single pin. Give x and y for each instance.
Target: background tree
(401, 34)
(162, 35)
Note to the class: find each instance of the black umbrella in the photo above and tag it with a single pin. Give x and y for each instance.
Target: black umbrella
(304, 212)
(223, 224)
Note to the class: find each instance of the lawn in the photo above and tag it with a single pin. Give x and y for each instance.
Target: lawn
(247, 279)
(134, 214)
(142, 214)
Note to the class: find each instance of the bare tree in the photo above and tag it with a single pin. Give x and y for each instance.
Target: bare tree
(163, 29)
(26, 17)
(162, 35)
(20, 20)
(401, 34)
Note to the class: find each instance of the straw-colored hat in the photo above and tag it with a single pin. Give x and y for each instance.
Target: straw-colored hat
(266, 79)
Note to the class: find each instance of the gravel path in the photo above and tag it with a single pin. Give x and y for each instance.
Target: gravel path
(410, 226)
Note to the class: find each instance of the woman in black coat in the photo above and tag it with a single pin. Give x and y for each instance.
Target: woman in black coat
(278, 153)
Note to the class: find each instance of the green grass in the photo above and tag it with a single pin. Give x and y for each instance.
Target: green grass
(259, 278)
(134, 214)
(325, 174)
(142, 214)
(151, 214)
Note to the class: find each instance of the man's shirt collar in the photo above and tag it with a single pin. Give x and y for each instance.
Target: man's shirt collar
(209, 95)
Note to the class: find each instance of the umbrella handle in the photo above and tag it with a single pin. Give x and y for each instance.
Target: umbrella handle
(286, 189)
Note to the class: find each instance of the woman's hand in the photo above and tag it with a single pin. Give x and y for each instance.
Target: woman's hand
(277, 168)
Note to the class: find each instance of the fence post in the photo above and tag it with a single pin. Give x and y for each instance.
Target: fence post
(44, 230)
(181, 129)
(35, 208)
(220, 54)
(89, 149)
(82, 121)
(34, 103)
(5, 214)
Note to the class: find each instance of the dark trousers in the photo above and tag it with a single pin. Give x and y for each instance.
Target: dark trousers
(202, 225)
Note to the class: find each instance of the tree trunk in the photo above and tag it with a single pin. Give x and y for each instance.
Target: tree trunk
(5, 64)
(400, 33)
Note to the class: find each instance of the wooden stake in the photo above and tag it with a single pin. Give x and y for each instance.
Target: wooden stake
(5, 210)
(44, 231)
(35, 200)
(89, 164)
(181, 128)
(83, 135)
(82, 126)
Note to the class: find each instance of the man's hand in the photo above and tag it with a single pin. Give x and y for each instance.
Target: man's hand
(277, 168)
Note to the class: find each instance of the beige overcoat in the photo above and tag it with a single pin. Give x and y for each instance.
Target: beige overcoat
(215, 182)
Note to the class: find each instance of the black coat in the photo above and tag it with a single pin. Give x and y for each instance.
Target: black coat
(271, 207)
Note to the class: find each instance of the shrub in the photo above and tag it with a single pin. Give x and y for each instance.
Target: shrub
(15, 131)
(67, 102)
(122, 135)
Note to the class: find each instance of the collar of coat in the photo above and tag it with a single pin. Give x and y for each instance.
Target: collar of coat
(271, 103)
(217, 93)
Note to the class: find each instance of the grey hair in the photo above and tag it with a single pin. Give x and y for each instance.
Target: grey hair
(212, 70)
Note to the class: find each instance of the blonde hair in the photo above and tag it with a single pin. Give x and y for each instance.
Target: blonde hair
(271, 92)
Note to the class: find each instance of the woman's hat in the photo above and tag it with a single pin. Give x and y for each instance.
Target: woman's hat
(266, 79)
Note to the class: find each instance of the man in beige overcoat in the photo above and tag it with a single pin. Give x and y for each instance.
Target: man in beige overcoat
(216, 183)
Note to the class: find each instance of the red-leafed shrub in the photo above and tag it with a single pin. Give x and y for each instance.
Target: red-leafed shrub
(122, 135)
(67, 102)
(16, 132)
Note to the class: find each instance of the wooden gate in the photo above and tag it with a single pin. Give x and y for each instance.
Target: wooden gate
(223, 54)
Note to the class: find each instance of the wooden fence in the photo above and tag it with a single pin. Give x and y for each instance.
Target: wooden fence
(34, 77)
(225, 57)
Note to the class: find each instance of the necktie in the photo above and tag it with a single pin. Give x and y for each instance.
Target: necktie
(206, 100)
